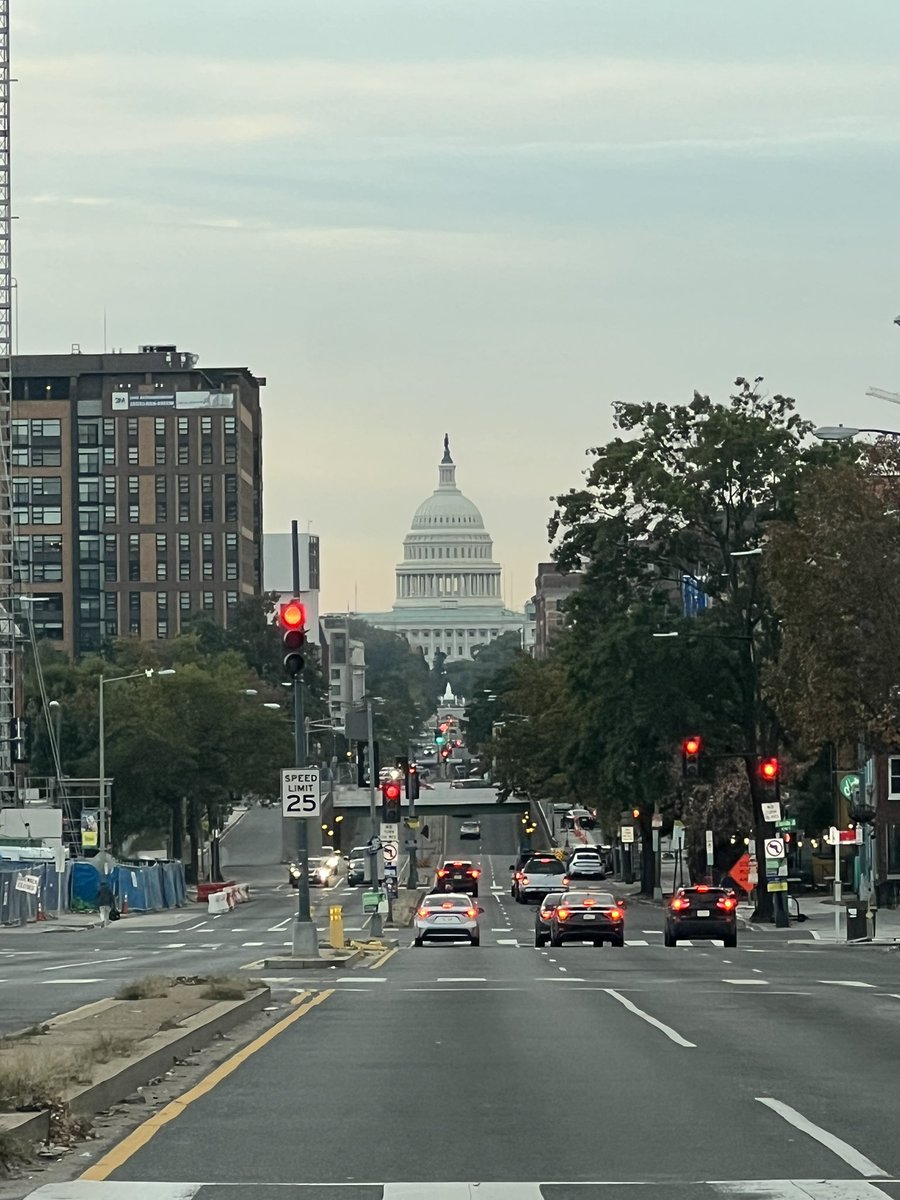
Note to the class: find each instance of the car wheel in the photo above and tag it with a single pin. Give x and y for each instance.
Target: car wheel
(417, 941)
(731, 941)
(540, 939)
(475, 894)
(618, 942)
(670, 939)
(555, 939)
(476, 939)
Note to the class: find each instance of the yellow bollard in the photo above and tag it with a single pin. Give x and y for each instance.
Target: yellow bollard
(336, 926)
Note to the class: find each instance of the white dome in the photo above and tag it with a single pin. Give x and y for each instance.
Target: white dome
(447, 507)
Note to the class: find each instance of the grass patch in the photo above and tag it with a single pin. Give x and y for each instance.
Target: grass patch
(14, 1152)
(36, 1078)
(111, 1045)
(227, 987)
(151, 987)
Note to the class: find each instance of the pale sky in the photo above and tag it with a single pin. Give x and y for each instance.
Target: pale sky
(491, 217)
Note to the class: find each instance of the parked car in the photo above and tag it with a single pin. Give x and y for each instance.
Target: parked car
(588, 916)
(543, 915)
(702, 912)
(458, 875)
(442, 917)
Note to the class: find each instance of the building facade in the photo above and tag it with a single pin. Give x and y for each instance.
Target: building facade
(344, 665)
(552, 587)
(449, 594)
(137, 484)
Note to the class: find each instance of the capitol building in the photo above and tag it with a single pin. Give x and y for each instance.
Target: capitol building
(449, 594)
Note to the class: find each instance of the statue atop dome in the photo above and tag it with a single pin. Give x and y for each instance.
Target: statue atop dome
(446, 458)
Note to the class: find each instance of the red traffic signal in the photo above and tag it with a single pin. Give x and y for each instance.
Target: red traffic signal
(692, 745)
(768, 770)
(292, 615)
(690, 755)
(391, 791)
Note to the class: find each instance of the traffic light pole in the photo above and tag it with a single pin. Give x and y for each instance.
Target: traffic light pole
(373, 814)
(305, 938)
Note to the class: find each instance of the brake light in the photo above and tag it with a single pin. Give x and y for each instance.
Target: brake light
(523, 879)
(446, 904)
(680, 902)
(520, 875)
(725, 902)
(702, 887)
(457, 864)
(546, 913)
(475, 873)
(589, 903)
(562, 914)
(566, 880)
(424, 912)
(616, 914)
(471, 913)
(441, 873)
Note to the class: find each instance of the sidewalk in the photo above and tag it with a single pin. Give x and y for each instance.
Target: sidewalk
(72, 922)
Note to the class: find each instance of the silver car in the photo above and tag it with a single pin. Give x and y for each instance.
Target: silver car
(447, 915)
(470, 829)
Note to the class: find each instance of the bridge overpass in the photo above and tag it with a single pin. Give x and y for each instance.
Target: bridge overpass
(441, 799)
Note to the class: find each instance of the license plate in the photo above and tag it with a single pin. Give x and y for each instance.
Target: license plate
(457, 876)
(589, 916)
(446, 920)
(702, 912)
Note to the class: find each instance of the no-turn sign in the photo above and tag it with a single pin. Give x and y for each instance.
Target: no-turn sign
(300, 795)
(774, 848)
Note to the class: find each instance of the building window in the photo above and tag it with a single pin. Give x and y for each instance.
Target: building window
(159, 427)
(184, 601)
(162, 629)
(230, 425)
(134, 570)
(109, 456)
(184, 543)
(209, 601)
(110, 572)
(162, 510)
(88, 433)
(207, 543)
(206, 425)
(46, 516)
(134, 514)
(132, 427)
(184, 509)
(231, 570)
(184, 485)
(109, 487)
(894, 777)
(162, 570)
(88, 520)
(335, 674)
(88, 549)
(182, 426)
(88, 462)
(231, 600)
(89, 579)
(206, 452)
(134, 485)
(134, 612)
(162, 600)
(132, 456)
(184, 455)
(231, 497)
(184, 568)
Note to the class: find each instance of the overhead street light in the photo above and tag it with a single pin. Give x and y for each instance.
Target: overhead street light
(844, 433)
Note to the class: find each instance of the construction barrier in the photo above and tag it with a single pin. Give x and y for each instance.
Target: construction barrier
(226, 897)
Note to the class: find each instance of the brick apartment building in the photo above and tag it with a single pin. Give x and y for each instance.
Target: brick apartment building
(137, 492)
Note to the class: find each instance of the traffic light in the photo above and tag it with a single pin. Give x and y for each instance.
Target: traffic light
(412, 782)
(690, 756)
(445, 753)
(439, 738)
(769, 771)
(635, 814)
(292, 619)
(362, 766)
(390, 802)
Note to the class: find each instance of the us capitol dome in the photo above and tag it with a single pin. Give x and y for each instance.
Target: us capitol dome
(449, 594)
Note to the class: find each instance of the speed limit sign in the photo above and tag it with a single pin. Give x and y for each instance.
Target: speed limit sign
(300, 796)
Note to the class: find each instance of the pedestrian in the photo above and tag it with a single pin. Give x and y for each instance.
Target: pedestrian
(106, 902)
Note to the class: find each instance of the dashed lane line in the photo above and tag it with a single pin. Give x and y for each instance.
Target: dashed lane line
(851, 1156)
(667, 1030)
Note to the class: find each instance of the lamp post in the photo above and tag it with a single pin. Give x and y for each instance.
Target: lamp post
(147, 673)
(846, 433)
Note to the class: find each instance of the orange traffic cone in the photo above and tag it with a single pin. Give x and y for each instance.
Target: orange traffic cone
(41, 916)
(124, 909)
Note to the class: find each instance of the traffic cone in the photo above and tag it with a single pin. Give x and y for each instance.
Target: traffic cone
(124, 909)
(41, 916)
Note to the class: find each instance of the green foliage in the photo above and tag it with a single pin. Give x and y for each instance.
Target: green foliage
(400, 676)
(470, 677)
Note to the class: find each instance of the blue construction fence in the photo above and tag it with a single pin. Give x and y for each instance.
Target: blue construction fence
(147, 887)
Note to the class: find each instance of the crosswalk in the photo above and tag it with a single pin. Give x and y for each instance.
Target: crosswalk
(753, 1189)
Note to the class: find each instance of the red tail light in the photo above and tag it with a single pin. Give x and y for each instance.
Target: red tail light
(566, 880)
(725, 902)
(616, 914)
(446, 904)
(680, 902)
(423, 912)
(441, 873)
(475, 873)
(562, 914)
(457, 864)
(520, 875)
(702, 887)
(546, 913)
(471, 913)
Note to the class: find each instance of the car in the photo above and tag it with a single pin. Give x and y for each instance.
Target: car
(470, 829)
(586, 864)
(442, 917)
(541, 874)
(358, 865)
(469, 784)
(522, 858)
(542, 916)
(702, 912)
(322, 871)
(588, 916)
(458, 875)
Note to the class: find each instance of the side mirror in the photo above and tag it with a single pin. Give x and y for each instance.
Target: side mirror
(480, 909)
(512, 866)
(621, 904)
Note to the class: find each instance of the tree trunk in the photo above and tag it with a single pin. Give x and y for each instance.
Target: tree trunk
(177, 828)
(192, 874)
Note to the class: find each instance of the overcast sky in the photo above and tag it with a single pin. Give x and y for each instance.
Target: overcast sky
(491, 217)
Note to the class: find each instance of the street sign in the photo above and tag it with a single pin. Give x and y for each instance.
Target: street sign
(374, 844)
(777, 885)
(677, 834)
(390, 870)
(774, 848)
(29, 884)
(390, 832)
(850, 784)
(391, 852)
(771, 810)
(786, 823)
(300, 792)
(656, 821)
(852, 837)
(627, 834)
(709, 846)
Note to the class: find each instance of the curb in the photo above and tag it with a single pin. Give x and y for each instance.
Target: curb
(302, 964)
(162, 1051)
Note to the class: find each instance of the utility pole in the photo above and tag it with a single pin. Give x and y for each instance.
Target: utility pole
(373, 814)
(7, 616)
(305, 938)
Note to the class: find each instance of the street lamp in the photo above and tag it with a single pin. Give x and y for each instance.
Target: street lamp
(845, 433)
(146, 673)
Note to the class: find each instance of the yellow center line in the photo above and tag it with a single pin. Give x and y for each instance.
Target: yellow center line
(139, 1137)
(383, 959)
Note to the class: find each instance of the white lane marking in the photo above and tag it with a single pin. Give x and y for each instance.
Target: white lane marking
(557, 979)
(243, 944)
(191, 928)
(93, 962)
(168, 931)
(830, 1141)
(846, 983)
(747, 982)
(507, 941)
(670, 1033)
(174, 946)
(502, 929)
(460, 1191)
(800, 1189)
(636, 942)
(658, 932)
(817, 937)
(892, 995)
(67, 981)
(461, 979)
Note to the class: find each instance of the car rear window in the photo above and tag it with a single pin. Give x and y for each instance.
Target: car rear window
(707, 893)
(600, 899)
(544, 866)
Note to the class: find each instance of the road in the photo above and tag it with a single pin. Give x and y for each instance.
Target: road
(697, 1072)
(53, 969)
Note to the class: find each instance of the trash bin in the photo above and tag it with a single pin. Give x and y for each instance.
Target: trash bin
(857, 926)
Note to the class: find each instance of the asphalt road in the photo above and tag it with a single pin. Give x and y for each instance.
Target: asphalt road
(767, 1071)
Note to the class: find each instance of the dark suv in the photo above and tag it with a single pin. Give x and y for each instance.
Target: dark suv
(538, 876)
(458, 875)
(702, 912)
